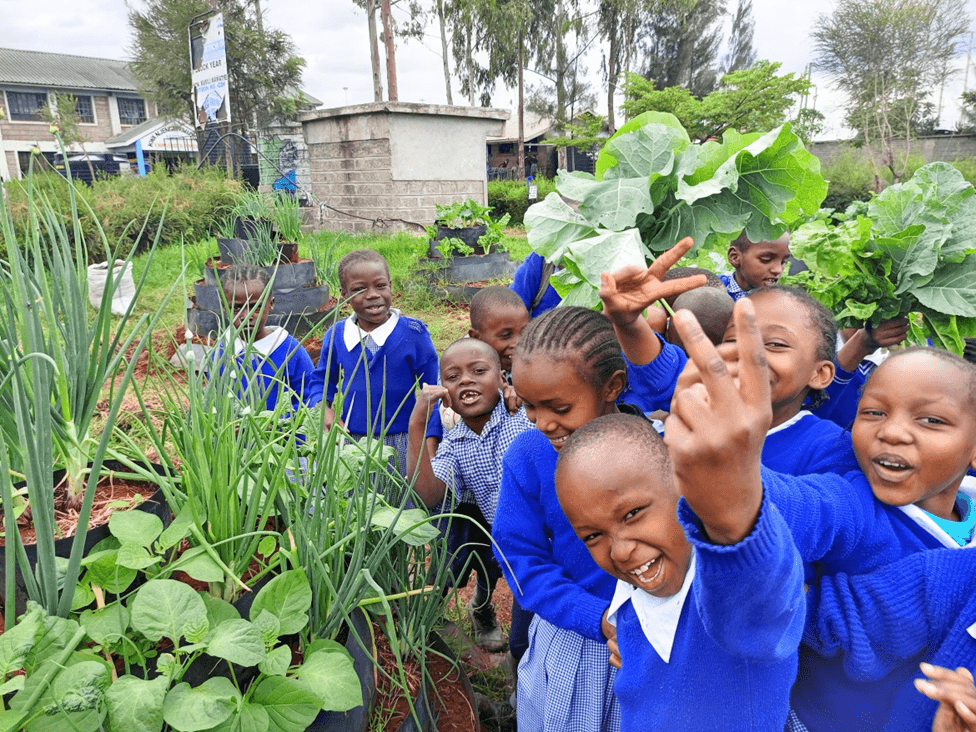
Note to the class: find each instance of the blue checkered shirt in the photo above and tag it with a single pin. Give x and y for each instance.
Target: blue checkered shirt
(471, 464)
(735, 292)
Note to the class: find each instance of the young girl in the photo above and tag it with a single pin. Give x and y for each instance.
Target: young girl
(276, 359)
(377, 355)
(568, 369)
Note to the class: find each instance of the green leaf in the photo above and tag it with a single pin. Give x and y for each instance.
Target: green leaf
(952, 291)
(237, 641)
(412, 526)
(267, 546)
(83, 596)
(325, 645)
(199, 565)
(136, 705)
(73, 700)
(218, 610)
(249, 718)
(288, 597)
(644, 146)
(177, 530)
(611, 204)
(277, 662)
(135, 527)
(291, 704)
(190, 709)
(54, 636)
(333, 679)
(269, 627)
(167, 609)
(551, 225)
(107, 573)
(11, 685)
(106, 625)
(17, 642)
(136, 557)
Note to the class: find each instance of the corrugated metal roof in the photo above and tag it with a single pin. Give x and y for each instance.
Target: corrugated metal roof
(40, 69)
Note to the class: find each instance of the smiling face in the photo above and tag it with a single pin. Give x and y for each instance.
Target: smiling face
(501, 330)
(915, 432)
(470, 373)
(792, 345)
(761, 264)
(557, 399)
(368, 283)
(249, 313)
(626, 516)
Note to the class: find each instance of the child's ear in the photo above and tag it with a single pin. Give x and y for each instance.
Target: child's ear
(615, 386)
(474, 333)
(734, 256)
(823, 375)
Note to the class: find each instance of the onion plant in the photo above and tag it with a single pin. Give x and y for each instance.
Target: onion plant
(287, 214)
(56, 360)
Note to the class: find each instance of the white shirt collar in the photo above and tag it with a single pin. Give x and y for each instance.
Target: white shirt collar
(265, 346)
(658, 616)
(788, 423)
(923, 519)
(352, 334)
(972, 630)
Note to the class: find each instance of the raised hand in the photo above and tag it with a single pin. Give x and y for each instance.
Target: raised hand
(956, 694)
(719, 417)
(428, 397)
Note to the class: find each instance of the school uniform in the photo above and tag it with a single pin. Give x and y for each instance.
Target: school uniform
(922, 607)
(828, 699)
(277, 362)
(380, 372)
(807, 445)
(844, 393)
(721, 653)
(732, 286)
(526, 282)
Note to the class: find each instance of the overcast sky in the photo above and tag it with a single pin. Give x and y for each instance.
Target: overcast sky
(332, 37)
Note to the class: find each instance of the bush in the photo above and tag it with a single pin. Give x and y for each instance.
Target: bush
(122, 205)
(512, 197)
(968, 169)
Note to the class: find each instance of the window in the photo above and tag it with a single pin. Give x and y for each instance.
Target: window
(506, 148)
(25, 106)
(84, 109)
(131, 111)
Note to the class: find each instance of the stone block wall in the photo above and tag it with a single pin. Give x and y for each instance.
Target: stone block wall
(939, 147)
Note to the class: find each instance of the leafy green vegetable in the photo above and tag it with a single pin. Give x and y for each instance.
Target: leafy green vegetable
(913, 253)
(653, 187)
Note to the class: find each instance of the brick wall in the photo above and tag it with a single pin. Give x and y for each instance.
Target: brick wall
(356, 176)
(939, 147)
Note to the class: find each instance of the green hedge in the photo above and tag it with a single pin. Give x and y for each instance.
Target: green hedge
(512, 197)
(122, 205)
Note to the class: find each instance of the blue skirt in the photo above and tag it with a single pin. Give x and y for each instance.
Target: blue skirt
(565, 683)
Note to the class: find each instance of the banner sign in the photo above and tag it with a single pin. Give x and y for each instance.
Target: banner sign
(208, 62)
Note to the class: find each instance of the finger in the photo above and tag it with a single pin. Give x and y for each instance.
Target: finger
(630, 273)
(753, 370)
(937, 673)
(672, 288)
(712, 368)
(666, 260)
(963, 671)
(964, 711)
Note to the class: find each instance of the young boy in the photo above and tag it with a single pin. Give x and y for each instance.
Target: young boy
(756, 264)
(468, 465)
(277, 359)
(498, 317)
(731, 650)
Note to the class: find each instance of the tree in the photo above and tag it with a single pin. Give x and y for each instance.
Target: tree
(740, 54)
(752, 100)
(888, 56)
(64, 115)
(264, 72)
(680, 45)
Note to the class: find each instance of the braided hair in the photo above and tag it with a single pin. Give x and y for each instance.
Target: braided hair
(579, 334)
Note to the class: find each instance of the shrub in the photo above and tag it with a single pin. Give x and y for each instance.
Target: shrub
(968, 169)
(512, 197)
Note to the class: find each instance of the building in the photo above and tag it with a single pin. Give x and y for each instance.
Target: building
(540, 156)
(108, 103)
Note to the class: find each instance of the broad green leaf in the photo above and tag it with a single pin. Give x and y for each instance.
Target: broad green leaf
(218, 610)
(14, 683)
(54, 636)
(83, 596)
(136, 557)
(199, 565)
(167, 609)
(190, 709)
(551, 225)
(611, 204)
(277, 662)
(412, 526)
(268, 625)
(333, 679)
(291, 704)
(644, 146)
(952, 291)
(249, 718)
(177, 530)
(135, 527)
(107, 573)
(288, 597)
(237, 641)
(73, 700)
(16, 642)
(324, 645)
(267, 546)
(106, 625)
(136, 705)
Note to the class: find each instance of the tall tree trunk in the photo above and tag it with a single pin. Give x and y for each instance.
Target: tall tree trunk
(560, 84)
(470, 59)
(447, 68)
(391, 80)
(612, 71)
(374, 51)
(521, 113)
(259, 17)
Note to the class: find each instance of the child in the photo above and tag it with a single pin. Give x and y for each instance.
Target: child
(468, 464)
(712, 308)
(277, 359)
(915, 439)
(378, 354)
(756, 264)
(531, 284)
(569, 368)
(498, 317)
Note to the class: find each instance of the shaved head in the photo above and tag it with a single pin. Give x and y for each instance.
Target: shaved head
(473, 344)
(712, 308)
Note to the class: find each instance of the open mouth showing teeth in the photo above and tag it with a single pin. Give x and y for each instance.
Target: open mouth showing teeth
(467, 397)
(558, 441)
(893, 465)
(641, 573)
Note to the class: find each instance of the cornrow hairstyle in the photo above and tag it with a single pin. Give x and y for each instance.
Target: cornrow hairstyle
(241, 274)
(494, 298)
(822, 321)
(359, 256)
(579, 334)
(967, 369)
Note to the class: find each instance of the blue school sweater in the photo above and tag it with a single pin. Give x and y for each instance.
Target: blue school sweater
(526, 283)
(843, 395)
(922, 607)
(807, 445)
(734, 653)
(406, 359)
(651, 385)
(288, 365)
